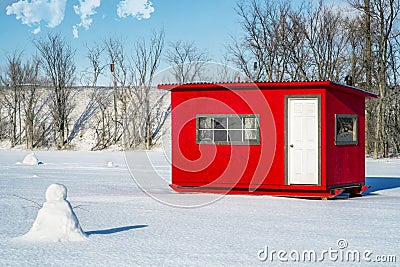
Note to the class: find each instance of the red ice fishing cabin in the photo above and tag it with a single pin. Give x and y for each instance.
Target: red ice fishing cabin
(302, 139)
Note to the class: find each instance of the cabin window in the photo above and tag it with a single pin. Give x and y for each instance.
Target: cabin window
(228, 129)
(346, 129)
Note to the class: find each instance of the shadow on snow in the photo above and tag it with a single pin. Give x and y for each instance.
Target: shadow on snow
(114, 230)
(381, 183)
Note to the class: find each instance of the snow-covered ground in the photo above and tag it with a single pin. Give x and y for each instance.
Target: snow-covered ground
(126, 227)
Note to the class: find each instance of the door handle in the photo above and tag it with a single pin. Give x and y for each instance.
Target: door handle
(291, 145)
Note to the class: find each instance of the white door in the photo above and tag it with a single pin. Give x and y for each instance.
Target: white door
(302, 138)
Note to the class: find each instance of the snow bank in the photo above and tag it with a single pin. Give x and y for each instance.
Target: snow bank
(30, 159)
(56, 220)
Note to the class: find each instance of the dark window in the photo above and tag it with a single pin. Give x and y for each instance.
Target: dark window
(220, 123)
(346, 129)
(235, 135)
(239, 129)
(220, 136)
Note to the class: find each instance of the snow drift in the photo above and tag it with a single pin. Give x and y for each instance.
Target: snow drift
(56, 220)
(30, 159)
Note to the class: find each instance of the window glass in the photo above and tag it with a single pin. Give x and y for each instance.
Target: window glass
(220, 136)
(224, 129)
(346, 132)
(235, 123)
(235, 135)
(250, 123)
(205, 123)
(205, 135)
(250, 134)
(220, 123)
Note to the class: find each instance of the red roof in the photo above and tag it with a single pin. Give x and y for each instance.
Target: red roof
(266, 86)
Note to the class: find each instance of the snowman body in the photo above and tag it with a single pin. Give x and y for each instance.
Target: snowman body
(56, 220)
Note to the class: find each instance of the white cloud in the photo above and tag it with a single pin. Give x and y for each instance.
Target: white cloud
(37, 30)
(51, 12)
(85, 10)
(75, 31)
(33, 12)
(140, 9)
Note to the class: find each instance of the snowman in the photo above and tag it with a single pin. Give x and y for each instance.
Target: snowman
(56, 220)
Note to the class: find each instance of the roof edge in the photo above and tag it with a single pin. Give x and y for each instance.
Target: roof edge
(265, 85)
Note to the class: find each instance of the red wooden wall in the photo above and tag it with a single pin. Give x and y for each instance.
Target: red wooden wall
(261, 166)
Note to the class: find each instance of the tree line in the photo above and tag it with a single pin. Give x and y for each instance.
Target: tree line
(39, 95)
(279, 41)
(359, 41)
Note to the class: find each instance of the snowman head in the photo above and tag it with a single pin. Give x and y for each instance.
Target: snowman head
(56, 192)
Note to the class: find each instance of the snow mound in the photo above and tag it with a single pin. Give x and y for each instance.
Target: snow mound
(111, 164)
(56, 220)
(31, 159)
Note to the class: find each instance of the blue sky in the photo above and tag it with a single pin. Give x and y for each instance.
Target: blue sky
(207, 22)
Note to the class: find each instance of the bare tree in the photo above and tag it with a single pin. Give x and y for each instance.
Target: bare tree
(379, 21)
(367, 64)
(30, 98)
(94, 55)
(103, 122)
(327, 43)
(3, 110)
(261, 25)
(116, 53)
(385, 12)
(101, 96)
(380, 66)
(392, 109)
(187, 61)
(57, 61)
(281, 42)
(296, 45)
(13, 78)
(145, 106)
(274, 45)
(316, 41)
(21, 97)
(240, 57)
(136, 109)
